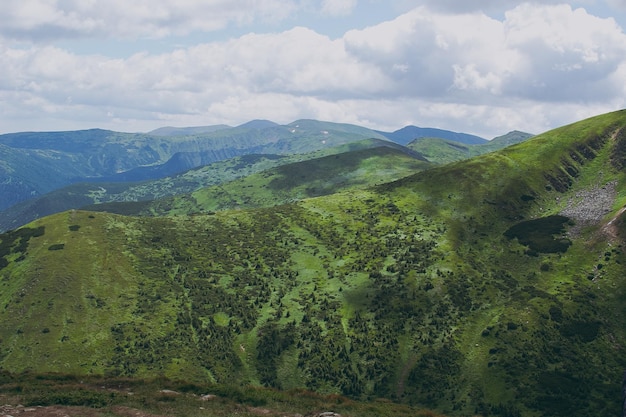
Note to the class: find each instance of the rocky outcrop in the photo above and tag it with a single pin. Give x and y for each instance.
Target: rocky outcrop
(588, 207)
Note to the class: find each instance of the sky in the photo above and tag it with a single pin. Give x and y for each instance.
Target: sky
(484, 67)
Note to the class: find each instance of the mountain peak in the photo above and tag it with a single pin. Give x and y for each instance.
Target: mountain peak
(258, 124)
(409, 133)
(183, 131)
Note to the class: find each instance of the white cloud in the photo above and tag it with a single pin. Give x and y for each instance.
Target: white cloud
(39, 20)
(251, 69)
(468, 77)
(567, 54)
(438, 52)
(538, 67)
(544, 52)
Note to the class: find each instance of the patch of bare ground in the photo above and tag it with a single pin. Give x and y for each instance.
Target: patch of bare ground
(588, 207)
(125, 411)
(610, 229)
(404, 375)
(65, 411)
(117, 411)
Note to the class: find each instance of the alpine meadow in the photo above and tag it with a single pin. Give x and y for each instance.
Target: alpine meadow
(373, 276)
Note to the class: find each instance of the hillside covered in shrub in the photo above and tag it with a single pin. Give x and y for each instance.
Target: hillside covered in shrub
(491, 286)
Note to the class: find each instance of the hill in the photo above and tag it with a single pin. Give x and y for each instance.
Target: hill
(489, 286)
(36, 163)
(186, 131)
(83, 194)
(410, 133)
(443, 151)
(58, 159)
(287, 183)
(511, 138)
(258, 124)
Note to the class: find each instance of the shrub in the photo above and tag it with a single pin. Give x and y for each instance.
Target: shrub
(80, 397)
(539, 234)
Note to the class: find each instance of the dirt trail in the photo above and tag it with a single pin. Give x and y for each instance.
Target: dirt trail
(610, 229)
(404, 376)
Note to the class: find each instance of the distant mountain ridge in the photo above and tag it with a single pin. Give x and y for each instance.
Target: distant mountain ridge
(34, 163)
(410, 133)
(159, 181)
(81, 194)
(362, 166)
(258, 124)
(443, 151)
(186, 131)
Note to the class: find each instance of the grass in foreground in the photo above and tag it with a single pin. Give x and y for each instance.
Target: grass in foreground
(96, 396)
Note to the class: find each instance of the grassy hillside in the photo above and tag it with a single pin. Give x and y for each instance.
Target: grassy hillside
(57, 159)
(86, 193)
(80, 396)
(442, 151)
(287, 183)
(492, 286)
(36, 163)
(396, 161)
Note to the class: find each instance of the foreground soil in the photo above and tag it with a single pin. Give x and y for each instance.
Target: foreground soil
(62, 411)
(57, 395)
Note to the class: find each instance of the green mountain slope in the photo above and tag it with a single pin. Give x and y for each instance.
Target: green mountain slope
(330, 174)
(184, 131)
(410, 133)
(442, 151)
(492, 286)
(511, 138)
(57, 159)
(83, 194)
(21, 171)
(36, 163)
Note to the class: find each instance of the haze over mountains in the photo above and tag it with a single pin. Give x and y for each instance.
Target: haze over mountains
(440, 274)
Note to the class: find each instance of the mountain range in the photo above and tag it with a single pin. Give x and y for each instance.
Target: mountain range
(484, 284)
(43, 173)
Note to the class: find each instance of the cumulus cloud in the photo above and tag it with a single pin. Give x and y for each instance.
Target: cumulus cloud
(256, 68)
(436, 52)
(564, 49)
(548, 53)
(37, 20)
(538, 66)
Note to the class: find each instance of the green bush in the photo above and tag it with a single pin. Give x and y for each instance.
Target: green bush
(539, 234)
(80, 397)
